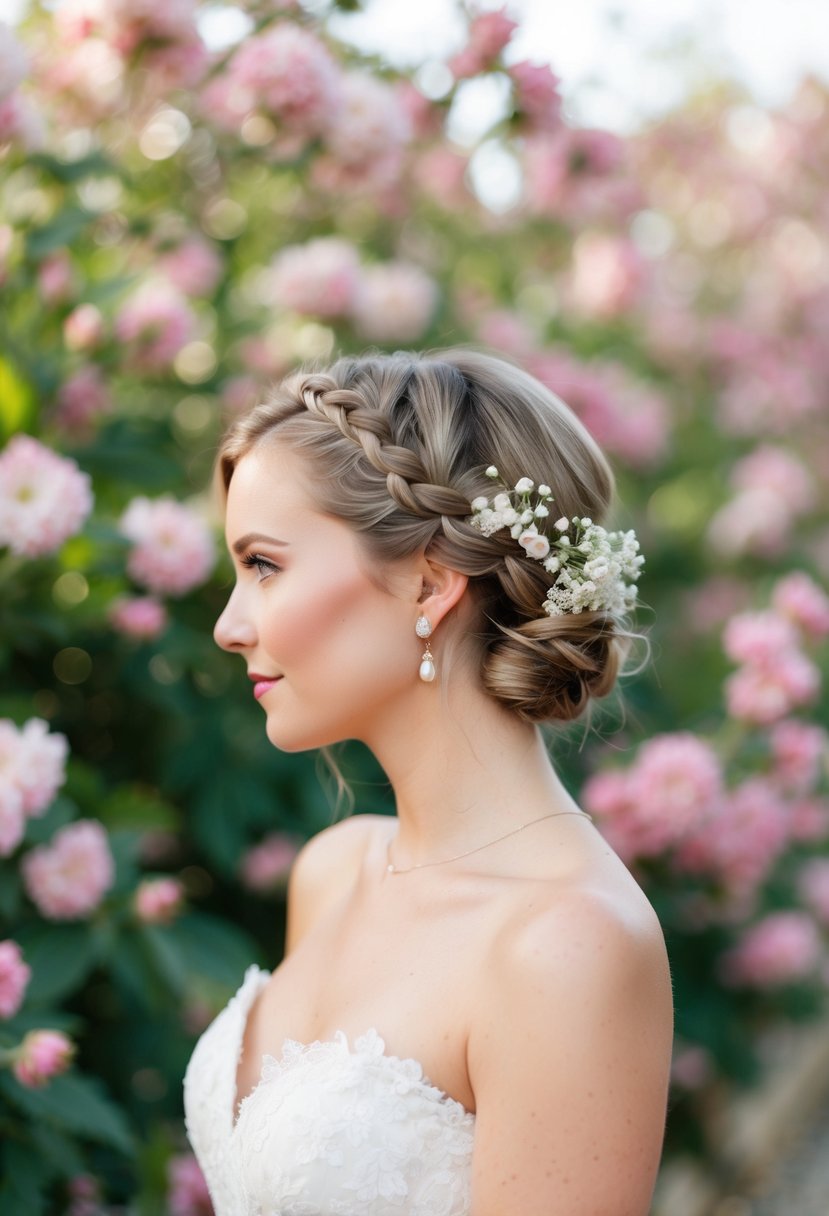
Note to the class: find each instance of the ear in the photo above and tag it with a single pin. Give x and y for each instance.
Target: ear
(442, 588)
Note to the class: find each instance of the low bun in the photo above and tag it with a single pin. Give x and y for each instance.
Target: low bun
(550, 668)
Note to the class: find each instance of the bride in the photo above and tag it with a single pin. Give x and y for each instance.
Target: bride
(473, 1016)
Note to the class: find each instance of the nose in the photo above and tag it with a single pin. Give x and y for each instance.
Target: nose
(234, 630)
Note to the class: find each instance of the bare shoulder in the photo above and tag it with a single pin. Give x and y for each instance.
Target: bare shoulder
(570, 1052)
(325, 868)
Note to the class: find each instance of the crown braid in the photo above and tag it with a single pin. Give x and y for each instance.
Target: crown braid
(397, 446)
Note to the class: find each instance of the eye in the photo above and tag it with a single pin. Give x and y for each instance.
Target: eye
(260, 564)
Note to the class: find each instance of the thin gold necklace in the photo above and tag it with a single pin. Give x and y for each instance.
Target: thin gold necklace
(391, 868)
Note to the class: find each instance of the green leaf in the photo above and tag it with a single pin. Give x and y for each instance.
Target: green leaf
(73, 1103)
(213, 948)
(24, 1180)
(16, 399)
(60, 956)
(59, 233)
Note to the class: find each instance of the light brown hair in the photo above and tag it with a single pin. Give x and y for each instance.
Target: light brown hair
(398, 444)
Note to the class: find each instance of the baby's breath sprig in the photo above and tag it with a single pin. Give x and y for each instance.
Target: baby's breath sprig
(596, 569)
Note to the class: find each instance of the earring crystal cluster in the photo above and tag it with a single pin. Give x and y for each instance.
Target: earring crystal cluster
(423, 629)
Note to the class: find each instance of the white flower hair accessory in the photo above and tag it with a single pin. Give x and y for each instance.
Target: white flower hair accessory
(597, 570)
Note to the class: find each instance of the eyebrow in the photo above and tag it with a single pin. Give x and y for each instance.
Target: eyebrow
(251, 538)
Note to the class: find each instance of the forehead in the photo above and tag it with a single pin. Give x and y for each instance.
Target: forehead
(270, 484)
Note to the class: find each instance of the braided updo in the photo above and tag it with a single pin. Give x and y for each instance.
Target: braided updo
(398, 446)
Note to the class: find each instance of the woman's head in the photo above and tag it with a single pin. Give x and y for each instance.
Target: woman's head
(392, 449)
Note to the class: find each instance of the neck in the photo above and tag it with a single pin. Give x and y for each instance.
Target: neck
(463, 770)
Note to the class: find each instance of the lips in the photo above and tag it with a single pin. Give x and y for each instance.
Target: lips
(262, 684)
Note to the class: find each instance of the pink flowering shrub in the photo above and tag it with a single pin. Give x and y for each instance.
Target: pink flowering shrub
(69, 877)
(139, 616)
(187, 1193)
(779, 949)
(172, 550)
(14, 978)
(44, 498)
(154, 323)
(321, 278)
(266, 867)
(158, 901)
(43, 1054)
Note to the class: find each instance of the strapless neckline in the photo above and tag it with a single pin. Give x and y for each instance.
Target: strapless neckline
(405, 1072)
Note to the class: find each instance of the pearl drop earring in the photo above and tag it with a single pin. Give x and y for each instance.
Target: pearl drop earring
(423, 629)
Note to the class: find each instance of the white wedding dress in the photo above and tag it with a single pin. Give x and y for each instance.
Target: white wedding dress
(331, 1129)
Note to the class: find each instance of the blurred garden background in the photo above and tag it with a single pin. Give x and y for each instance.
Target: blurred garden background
(193, 199)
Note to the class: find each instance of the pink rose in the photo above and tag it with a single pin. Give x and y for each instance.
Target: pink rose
(320, 278)
(68, 878)
(83, 329)
(158, 901)
(140, 616)
(394, 302)
(155, 322)
(14, 978)
(266, 867)
(44, 498)
(780, 949)
(43, 1054)
(187, 1193)
(173, 549)
(801, 600)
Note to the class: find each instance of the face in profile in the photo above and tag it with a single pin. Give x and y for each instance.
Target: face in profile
(334, 655)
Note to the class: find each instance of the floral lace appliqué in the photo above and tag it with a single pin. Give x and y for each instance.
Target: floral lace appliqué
(330, 1129)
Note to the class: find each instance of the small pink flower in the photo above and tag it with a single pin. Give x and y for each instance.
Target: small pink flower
(140, 616)
(68, 878)
(758, 637)
(489, 33)
(797, 749)
(14, 978)
(394, 303)
(187, 1193)
(12, 815)
(194, 267)
(780, 949)
(41, 768)
(287, 73)
(155, 322)
(158, 901)
(44, 498)
(802, 601)
(607, 276)
(14, 63)
(55, 278)
(742, 840)
(675, 786)
(83, 329)
(319, 279)
(809, 820)
(813, 887)
(82, 399)
(537, 95)
(691, 1066)
(764, 694)
(266, 867)
(43, 1054)
(173, 549)
(367, 132)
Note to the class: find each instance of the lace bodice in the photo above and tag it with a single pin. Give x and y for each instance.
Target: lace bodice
(331, 1129)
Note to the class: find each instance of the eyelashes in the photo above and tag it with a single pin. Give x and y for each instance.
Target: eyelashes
(260, 564)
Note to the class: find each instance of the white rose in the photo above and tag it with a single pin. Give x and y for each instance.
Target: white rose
(563, 524)
(524, 485)
(480, 503)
